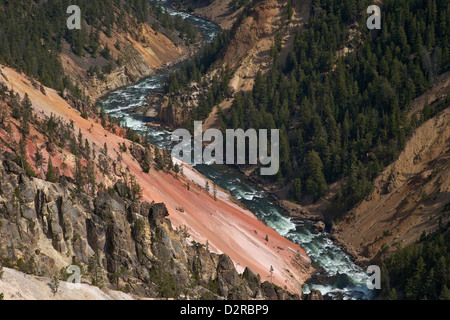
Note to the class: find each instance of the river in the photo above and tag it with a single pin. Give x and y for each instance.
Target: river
(340, 278)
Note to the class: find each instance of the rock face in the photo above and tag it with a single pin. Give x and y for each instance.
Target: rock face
(141, 50)
(319, 227)
(174, 109)
(314, 295)
(118, 243)
(409, 196)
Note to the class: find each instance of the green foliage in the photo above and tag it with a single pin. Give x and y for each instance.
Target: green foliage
(446, 208)
(21, 160)
(445, 293)
(298, 189)
(118, 274)
(132, 135)
(289, 10)
(139, 226)
(55, 285)
(135, 189)
(194, 69)
(64, 275)
(50, 175)
(214, 286)
(393, 294)
(33, 34)
(27, 266)
(315, 184)
(165, 282)
(95, 269)
(421, 270)
(6, 262)
(186, 28)
(79, 174)
(387, 233)
(345, 118)
(237, 4)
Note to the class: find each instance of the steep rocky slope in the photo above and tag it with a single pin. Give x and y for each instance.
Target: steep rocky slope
(129, 245)
(254, 30)
(16, 285)
(221, 12)
(141, 50)
(410, 196)
(220, 223)
(249, 49)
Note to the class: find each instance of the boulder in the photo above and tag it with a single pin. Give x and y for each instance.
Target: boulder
(157, 214)
(319, 227)
(253, 281)
(313, 295)
(226, 274)
(122, 189)
(269, 291)
(12, 167)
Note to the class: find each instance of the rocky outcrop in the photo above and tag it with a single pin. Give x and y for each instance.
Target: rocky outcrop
(173, 114)
(313, 295)
(319, 227)
(231, 229)
(221, 12)
(118, 243)
(174, 109)
(135, 52)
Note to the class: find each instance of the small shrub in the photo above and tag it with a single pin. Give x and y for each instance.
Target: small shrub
(386, 233)
(55, 284)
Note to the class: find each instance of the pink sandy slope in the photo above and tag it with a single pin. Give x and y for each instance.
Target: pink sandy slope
(226, 226)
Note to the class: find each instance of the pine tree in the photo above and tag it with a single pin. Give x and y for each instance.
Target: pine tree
(289, 10)
(393, 294)
(298, 189)
(285, 152)
(26, 113)
(316, 183)
(445, 293)
(39, 159)
(87, 149)
(135, 188)
(79, 175)
(50, 175)
(91, 176)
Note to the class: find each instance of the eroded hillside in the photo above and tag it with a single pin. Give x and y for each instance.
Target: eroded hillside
(253, 31)
(411, 196)
(141, 52)
(90, 158)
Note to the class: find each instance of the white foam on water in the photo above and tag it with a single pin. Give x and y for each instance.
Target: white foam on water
(280, 223)
(148, 85)
(324, 289)
(319, 247)
(134, 124)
